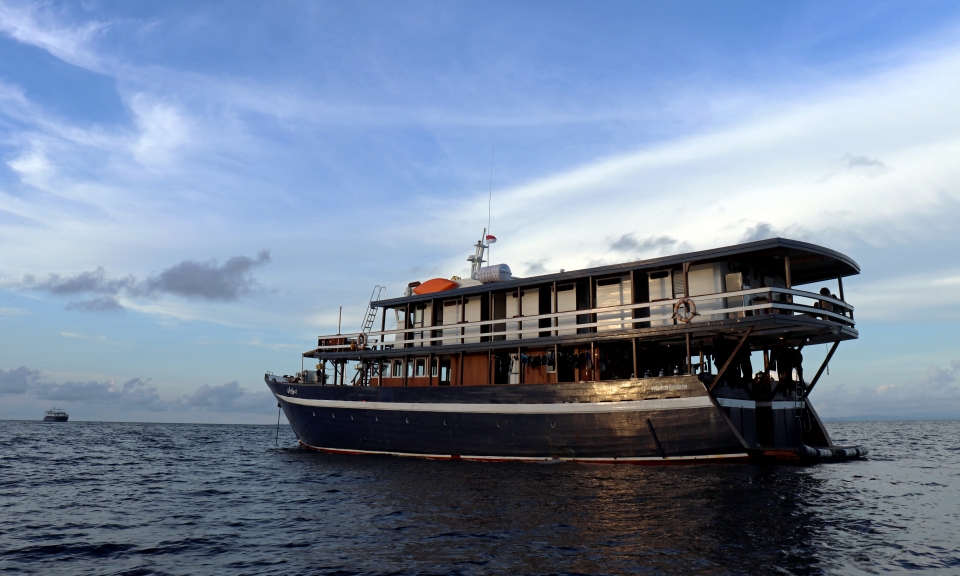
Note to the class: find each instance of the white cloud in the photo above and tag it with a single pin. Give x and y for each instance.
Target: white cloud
(163, 131)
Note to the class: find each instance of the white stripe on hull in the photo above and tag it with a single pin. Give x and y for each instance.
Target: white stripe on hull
(778, 405)
(628, 459)
(555, 408)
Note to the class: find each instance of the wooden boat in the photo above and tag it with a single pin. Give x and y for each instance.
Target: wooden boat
(687, 358)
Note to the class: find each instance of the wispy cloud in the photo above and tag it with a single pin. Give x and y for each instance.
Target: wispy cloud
(83, 336)
(931, 393)
(39, 24)
(907, 297)
(760, 177)
(8, 311)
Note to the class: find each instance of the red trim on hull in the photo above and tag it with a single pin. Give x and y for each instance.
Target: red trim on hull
(652, 461)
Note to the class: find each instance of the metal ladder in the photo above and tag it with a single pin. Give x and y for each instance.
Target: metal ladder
(371, 314)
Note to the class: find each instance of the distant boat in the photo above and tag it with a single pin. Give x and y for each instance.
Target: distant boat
(55, 415)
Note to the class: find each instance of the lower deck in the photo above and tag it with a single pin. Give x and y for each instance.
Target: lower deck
(652, 420)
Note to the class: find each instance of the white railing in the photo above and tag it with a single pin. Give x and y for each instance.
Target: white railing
(755, 300)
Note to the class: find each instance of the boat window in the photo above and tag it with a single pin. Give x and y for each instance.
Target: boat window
(612, 292)
(472, 308)
(567, 302)
(418, 316)
(397, 369)
(660, 286)
(445, 374)
(421, 369)
(679, 290)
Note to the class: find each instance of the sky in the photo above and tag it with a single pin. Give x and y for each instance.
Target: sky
(189, 191)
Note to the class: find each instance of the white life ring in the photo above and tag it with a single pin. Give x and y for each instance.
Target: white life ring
(362, 340)
(689, 307)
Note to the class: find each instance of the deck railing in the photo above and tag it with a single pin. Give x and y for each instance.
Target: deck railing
(722, 305)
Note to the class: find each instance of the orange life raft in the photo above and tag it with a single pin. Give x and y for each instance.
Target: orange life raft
(435, 285)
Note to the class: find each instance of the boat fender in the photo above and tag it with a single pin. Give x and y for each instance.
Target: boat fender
(689, 310)
(362, 340)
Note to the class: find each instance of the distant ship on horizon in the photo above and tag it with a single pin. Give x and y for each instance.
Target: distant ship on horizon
(55, 415)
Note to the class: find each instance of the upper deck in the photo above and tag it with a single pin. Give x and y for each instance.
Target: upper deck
(686, 299)
(808, 263)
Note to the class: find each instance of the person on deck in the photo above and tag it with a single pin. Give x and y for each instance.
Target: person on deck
(823, 303)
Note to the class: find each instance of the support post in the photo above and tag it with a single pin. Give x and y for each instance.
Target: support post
(826, 361)
(730, 359)
(519, 366)
(689, 357)
(556, 321)
(633, 342)
(591, 318)
(489, 367)
(593, 361)
(519, 313)
(786, 266)
(383, 328)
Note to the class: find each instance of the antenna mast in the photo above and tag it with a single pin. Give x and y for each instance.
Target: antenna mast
(476, 261)
(489, 199)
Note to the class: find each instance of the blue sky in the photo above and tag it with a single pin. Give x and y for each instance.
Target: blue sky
(292, 155)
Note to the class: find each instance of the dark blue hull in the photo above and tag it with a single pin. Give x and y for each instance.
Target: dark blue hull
(654, 420)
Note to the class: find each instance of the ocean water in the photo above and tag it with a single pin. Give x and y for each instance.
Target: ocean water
(104, 498)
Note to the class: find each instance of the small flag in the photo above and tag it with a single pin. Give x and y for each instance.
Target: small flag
(491, 238)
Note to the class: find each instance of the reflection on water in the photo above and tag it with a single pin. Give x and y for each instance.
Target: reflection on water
(108, 498)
